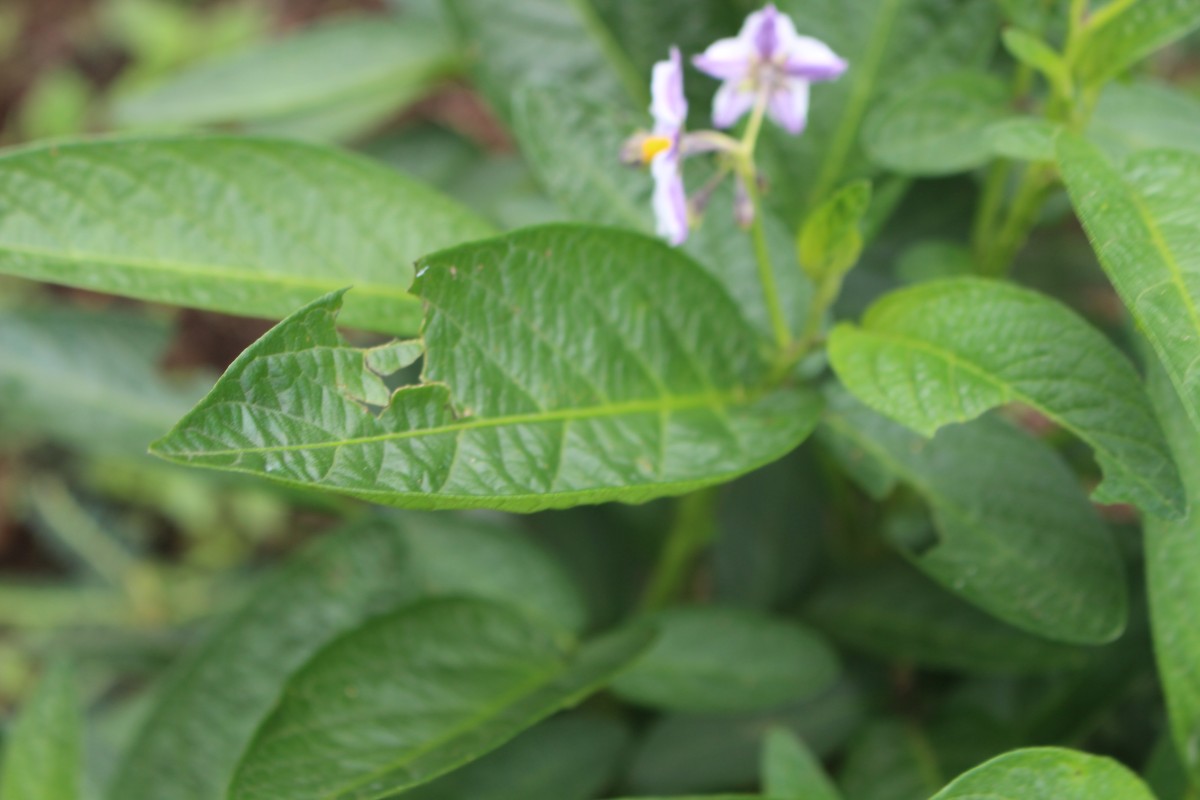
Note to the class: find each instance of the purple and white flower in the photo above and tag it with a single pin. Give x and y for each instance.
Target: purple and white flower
(768, 61)
(663, 149)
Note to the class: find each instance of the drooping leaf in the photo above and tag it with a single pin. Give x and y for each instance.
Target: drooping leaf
(87, 379)
(323, 67)
(1015, 534)
(1144, 224)
(1047, 773)
(711, 659)
(1144, 115)
(896, 613)
(1173, 584)
(216, 696)
(1121, 34)
(244, 226)
(573, 146)
(412, 695)
(792, 772)
(926, 356)
(42, 757)
(937, 127)
(555, 374)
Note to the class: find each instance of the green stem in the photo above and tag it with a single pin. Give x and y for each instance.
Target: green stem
(983, 229)
(693, 528)
(1019, 222)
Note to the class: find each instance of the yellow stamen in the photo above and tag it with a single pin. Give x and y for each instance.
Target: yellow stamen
(652, 146)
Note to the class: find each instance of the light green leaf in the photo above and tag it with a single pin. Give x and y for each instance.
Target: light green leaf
(926, 357)
(1144, 115)
(412, 695)
(1022, 138)
(520, 43)
(792, 772)
(711, 659)
(573, 146)
(217, 695)
(1126, 31)
(243, 226)
(88, 379)
(831, 240)
(1173, 584)
(1047, 773)
(565, 758)
(1144, 223)
(348, 59)
(1015, 534)
(1034, 52)
(42, 752)
(937, 128)
(898, 614)
(555, 374)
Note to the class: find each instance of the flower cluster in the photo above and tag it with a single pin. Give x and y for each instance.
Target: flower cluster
(765, 70)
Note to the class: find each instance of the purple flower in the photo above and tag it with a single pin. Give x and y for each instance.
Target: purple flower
(663, 150)
(768, 59)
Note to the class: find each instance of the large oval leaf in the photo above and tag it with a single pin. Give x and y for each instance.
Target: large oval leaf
(244, 226)
(1144, 222)
(414, 694)
(555, 374)
(926, 356)
(1047, 773)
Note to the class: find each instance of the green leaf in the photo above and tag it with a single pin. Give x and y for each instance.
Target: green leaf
(565, 758)
(831, 240)
(1126, 31)
(937, 128)
(896, 613)
(1034, 52)
(926, 357)
(572, 144)
(1144, 224)
(792, 772)
(347, 59)
(554, 374)
(1015, 534)
(1144, 115)
(1022, 138)
(521, 43)
(1173, 584)
(1047, 773)
(42, 753)
(87, 379)
(242, 226)
(414, 694)
(711, 659)
(216, 696)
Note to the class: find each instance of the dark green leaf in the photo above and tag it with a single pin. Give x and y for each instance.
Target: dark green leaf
(42, 751)
(792, 772)
(926, 356)
(710, 659)
(1015, 534)
(1126, 31)
(243, 226)
(937, 128)
(217, 695)
(1144, 224)
(555, 375)
(414, 694)
(1047, 773)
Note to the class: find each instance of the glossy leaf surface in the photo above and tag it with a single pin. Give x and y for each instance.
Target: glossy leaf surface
(554, 376)
(414, 694)
(927, 356)
(1047, 773)
(244, 226)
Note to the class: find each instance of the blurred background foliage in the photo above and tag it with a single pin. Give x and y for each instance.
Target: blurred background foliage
(119, 562)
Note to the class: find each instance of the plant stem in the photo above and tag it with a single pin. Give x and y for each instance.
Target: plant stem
(693, 528)
(1002, 248)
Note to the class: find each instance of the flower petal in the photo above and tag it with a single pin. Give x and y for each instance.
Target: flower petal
(812, 60)
(764, 26)
(668, 106)
(731, 102)
(727, 59)
(670, 198)
(788, 105)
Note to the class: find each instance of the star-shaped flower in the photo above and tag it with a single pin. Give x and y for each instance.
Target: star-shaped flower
(768, 61)
(663, 148)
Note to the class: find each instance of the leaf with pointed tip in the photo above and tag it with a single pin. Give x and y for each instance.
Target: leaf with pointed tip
(564, 365)
(792, 772)
(926, 356)
(412, 695)
(1144, 223)
(42, 753)
(1047, 773)
(1015, 534)
(239, 225)
(1121, 34)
